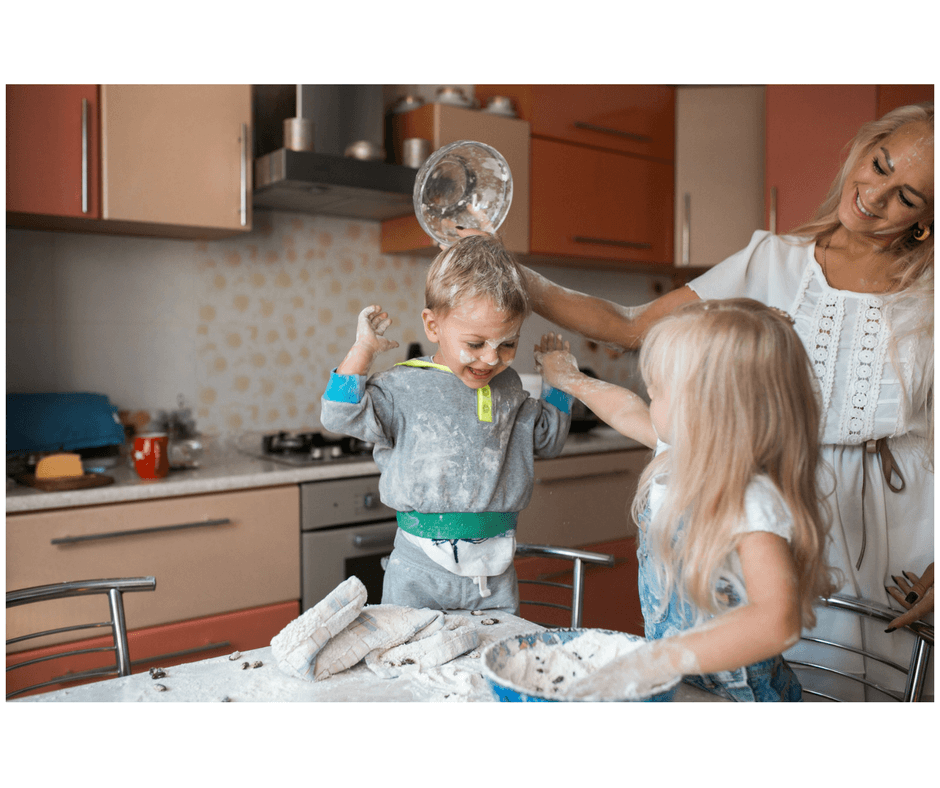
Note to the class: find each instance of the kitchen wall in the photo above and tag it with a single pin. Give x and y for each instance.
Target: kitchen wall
(244, 330)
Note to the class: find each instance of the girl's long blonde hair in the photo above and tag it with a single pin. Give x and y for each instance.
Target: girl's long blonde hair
(744, 402)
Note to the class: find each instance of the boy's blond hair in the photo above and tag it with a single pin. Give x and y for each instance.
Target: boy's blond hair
(475, 266)
(744, 402)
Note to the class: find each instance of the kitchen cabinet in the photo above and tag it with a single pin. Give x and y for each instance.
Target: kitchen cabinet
(719, 171)
(808, 127)
(607, 207)
(634, 119)
(584, 501)
(212, 555)
(602, 172)
(443, 124)
(174, 162)
(53, 162)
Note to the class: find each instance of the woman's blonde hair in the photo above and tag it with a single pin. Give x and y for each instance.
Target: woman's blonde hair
(477, 265)
(744, 403)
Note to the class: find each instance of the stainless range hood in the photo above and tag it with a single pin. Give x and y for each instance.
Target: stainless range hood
(307, 182)
(322, 179)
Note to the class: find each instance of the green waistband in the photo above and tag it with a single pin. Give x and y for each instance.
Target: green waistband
(457, 525)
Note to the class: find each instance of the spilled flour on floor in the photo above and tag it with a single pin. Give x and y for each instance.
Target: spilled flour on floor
(550, 668)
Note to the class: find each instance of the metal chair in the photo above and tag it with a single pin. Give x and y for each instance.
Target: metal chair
(114, 589)
(578, 558)
(915, 673)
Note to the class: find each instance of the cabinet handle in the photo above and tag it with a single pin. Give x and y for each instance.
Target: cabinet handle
(372, 541)
(616, 132)
(84, 155)
(579, 477)
(244, 176)
(184, 653)
(581, 239)
(773, 210)
(687, 230)
(136, 532)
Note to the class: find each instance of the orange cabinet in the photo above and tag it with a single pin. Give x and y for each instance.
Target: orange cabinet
(609, 207)
(808, 127)
(636, 119)
(160, 646)
(53, 150)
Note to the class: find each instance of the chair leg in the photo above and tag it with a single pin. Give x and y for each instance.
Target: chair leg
(119, 628)
(577, 593)
(917, 672)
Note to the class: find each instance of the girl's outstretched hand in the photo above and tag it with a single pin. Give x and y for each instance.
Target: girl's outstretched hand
(553, 360)
(638, 673)
(914, 594)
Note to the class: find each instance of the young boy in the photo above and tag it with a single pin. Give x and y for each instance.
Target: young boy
(455, 433)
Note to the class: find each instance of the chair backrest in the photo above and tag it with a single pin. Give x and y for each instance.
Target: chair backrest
(914, 673)
(578, 559)
(114, 590)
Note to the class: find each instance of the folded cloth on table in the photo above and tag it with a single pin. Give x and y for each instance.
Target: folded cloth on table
(453, 637)
(295, 647)
(341, 630)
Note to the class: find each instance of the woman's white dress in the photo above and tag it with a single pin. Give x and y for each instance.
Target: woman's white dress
(866, 395)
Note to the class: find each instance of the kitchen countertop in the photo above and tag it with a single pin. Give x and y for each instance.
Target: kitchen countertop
(226, 468)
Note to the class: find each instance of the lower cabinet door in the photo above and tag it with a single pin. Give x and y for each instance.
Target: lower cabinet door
(161, 646)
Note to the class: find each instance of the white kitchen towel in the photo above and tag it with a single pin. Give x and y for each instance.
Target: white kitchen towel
(295, 648)
(426, 650)
(376, 627)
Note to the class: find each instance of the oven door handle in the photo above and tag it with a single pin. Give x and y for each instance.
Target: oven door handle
(375, 541)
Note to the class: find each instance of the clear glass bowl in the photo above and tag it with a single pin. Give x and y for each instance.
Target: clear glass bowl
(465, 183)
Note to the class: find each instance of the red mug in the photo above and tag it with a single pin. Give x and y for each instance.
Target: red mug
(151, 460)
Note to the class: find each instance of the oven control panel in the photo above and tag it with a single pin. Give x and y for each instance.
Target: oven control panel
(341, 502)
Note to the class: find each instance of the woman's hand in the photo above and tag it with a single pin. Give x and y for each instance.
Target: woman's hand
(370, 341)
(463, 232)
(914, 594)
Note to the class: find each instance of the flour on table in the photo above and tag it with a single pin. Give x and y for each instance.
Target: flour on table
(549, 668)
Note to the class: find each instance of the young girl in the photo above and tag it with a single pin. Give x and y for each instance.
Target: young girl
(731, 527)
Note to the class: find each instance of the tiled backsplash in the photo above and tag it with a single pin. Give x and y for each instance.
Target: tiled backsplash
(245, 330)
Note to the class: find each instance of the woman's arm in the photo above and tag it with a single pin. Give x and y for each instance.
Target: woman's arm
(623, 410)
(767, 625)
(596, 318)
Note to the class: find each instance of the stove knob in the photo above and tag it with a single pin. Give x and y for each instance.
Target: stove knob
(336, 451)
(369, 501)
(316, 453)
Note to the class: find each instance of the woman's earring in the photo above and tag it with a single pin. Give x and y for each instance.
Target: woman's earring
(921, 233)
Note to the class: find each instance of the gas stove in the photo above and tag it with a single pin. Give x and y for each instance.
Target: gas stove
(311, 448)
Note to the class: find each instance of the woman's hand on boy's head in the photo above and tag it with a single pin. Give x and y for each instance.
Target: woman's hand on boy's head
(553, 359)
(465, 232)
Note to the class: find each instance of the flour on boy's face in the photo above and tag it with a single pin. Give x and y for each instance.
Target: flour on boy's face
(475, 340)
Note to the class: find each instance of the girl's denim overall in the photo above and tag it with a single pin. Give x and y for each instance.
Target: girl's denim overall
(769, 680)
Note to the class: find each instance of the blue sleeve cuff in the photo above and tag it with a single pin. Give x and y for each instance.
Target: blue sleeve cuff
(557, 398)
(345, 388)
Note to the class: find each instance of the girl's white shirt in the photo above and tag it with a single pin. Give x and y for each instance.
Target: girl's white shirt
(764, 510)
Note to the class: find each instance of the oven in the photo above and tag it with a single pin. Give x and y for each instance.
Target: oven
(345, 530)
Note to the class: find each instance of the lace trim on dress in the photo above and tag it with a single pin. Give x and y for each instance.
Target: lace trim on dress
(865, 372)
(828, 318)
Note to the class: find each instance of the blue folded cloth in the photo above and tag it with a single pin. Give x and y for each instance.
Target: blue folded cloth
(61, 422)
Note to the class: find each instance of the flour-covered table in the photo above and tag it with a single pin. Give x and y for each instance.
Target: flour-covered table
(221, 679)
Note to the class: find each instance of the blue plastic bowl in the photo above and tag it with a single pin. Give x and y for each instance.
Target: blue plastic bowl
(497, 657)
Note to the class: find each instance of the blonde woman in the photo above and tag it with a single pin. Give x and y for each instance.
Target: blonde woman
(858, 281)
(732, 532)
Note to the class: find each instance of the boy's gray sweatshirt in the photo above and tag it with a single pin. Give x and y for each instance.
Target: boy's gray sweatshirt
(434, 453)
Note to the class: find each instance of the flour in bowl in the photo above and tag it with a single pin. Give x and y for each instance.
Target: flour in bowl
(550, 668)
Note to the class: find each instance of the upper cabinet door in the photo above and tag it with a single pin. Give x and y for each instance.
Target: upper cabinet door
(52, 150)
(807, 129)
(177, 155)
(637, 119)
(719, 171)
